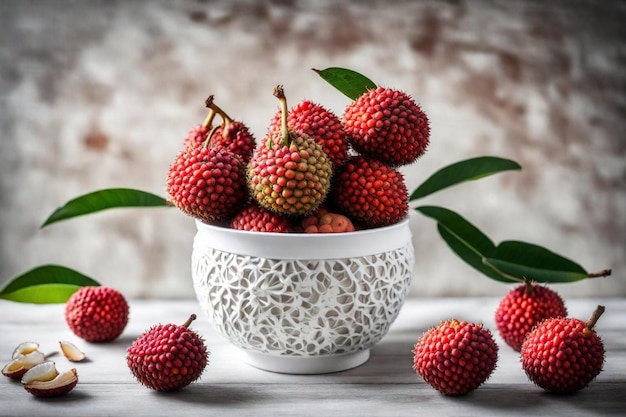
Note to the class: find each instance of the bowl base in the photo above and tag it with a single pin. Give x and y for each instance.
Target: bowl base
(306, 365)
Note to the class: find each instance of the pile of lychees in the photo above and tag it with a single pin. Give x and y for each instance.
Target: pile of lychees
(558, 353)
(312, 172)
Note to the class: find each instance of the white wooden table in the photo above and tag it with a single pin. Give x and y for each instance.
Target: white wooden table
(386, 385)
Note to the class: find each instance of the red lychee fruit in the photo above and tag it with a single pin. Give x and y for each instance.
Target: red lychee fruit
(455, 357)
(289, 173)
(97, 314)
(522, 308)
(233, 135)
(254, 218)
(207, 183)
(197, 136)
(388, 125)
(314, 120)
(168, 357)
(370, 192)
(563, 355)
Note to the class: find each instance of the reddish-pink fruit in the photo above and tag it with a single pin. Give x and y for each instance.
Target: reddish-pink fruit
(455, 357)
(370, 192)
(314, 120)
(522, 308)
(563, 355)
(231, 134)
(168, 357)
(289, 173)
(207, 183)
(254, 218)
(97, 314)
(386, 124)
(235, 137)
(196, 136)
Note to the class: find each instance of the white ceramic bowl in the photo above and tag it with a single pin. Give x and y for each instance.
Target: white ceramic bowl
(303, 303)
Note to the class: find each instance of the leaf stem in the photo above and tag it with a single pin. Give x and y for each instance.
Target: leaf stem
(600, 274)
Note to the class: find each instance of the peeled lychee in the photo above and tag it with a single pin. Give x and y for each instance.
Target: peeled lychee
(370, 192)
(44, 380)
(168, 357)
(563, 355)
(289, 173)
(97, 314)
(22, 362)
(388, 125)
(522, 308)
(455, 357)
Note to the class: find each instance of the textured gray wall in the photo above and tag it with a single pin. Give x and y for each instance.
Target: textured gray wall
(100, 94)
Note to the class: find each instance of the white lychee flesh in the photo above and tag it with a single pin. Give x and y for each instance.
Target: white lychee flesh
(25, 348)
(60, 385)
(45, 371)
(71, 351)
(22, 363)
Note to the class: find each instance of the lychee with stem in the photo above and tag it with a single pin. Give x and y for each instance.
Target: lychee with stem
(388, 125)
(455, 357)
(168, 356)
(563, 355)
(289, 173)
(323, 125)
(232, 135)
(523, 307)
(207, 183)
(197, 136)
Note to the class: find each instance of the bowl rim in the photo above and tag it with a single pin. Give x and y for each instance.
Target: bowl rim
(274, 245)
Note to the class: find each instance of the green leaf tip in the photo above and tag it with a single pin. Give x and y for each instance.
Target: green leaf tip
(103, 200)
(349, 82)
(46, 284)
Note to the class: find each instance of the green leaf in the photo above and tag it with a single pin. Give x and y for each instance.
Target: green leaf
(45, 284)
(526, 260)
(103, 200)
(469, 243)
(349, 82)
(468, 170)
(510, 261)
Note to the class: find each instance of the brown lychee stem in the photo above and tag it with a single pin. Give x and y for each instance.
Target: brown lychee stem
(528, 285)
(189, 320)
(211, 105)
(600, 274)
(209, 118)
(594, 317)
(207, 142)
(279, 93)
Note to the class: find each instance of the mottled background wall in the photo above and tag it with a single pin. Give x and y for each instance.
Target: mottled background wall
(100, 94)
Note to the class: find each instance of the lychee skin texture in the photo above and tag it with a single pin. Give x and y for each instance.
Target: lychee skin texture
(562, 355)
(456, 357)
(292, 178)
(370, 192)
(522, 308)
(235, 137)
(196, 136)
(97, 314)
(167, 357)
(207, 183)
(254, 218)
(388, 125)
(316, 121)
